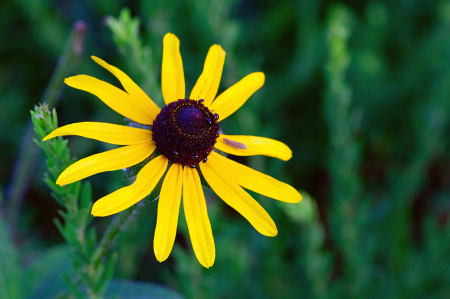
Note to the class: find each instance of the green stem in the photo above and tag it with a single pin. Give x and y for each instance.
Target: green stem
(28, 153)
(344, 159)
(111, 234)
(74, 49)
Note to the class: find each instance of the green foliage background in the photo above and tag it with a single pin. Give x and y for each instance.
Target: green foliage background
(359, 90)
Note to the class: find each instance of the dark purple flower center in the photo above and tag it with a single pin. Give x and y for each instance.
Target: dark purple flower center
(185, 132)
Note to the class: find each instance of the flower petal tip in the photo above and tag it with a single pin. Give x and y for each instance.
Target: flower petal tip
(219, 47)
(261, 77)
(97, 211)
(271, 232)
(206, 264)
(59, 182)
(206, 261)
(160, 258)
(170, 35)
(287, 156)
(70, 80)
(99, 61)
(95, 214)
(296, 197)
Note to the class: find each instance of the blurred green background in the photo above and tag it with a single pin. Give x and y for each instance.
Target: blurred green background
(359, 90)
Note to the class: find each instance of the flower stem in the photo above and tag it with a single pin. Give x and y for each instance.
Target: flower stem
(90, 277)
(111, 234)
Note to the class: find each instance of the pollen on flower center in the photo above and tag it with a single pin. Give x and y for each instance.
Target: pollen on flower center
(185, 131)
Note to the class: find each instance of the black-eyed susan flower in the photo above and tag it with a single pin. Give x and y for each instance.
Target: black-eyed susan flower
(185, 132)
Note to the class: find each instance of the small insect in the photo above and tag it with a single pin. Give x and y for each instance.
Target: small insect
(201, 100)
(209, 121)
(235, 143)
(175, 153)
(206, 159)
(216, 115)
(194, 157)
(192, 166)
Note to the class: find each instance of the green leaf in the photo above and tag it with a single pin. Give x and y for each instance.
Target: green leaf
(91, 240)
(305, 211)
(157, 190)
(55, 119)
(10, 280)
(83, 217)
(139, 290)
(44, 272)
(51, 184)
(99, 271)
(70, 230)
(111, 263)
(60, 228)
(132, 171)
(202, 178)
(86, 196)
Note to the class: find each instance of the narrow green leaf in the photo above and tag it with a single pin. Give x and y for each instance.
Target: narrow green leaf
(135, 290)
(100, 269)
(86, 196)
(38, 143)
(157, 190)
(132, 171)
(58, 199)
(71, 285)
(46, 270)
(60, 228)
(71, 233)
(202, 179)
(10, 282)
(91, 240)
(82, 217)
(111, 263)
(51, 184)
(55, 118)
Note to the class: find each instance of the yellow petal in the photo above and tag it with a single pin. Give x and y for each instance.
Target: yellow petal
(115, 98)
(238, 199)
(194, 205)
(138, 95)
(168, 210)
(252, 179)
(235, 96)
(255, 146)
(172, 74)
(109, 133)
(124, 198)
(115, 159)
(208, 82)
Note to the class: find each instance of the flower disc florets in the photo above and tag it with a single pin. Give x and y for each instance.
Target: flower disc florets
(185, 131)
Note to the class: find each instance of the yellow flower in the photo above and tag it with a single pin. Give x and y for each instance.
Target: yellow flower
(185, 132)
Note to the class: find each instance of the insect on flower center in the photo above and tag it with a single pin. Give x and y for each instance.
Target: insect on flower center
(185, 131)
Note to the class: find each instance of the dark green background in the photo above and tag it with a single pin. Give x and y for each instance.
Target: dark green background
(397, 240)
